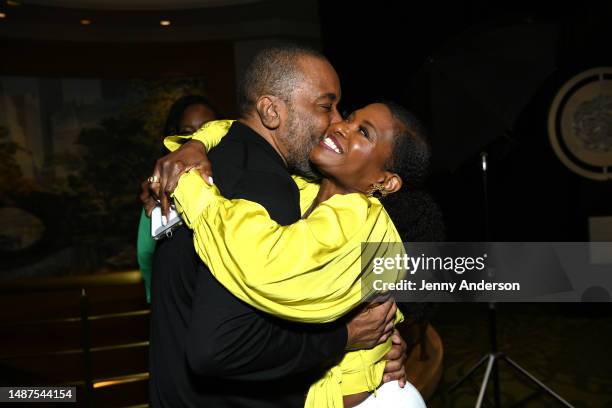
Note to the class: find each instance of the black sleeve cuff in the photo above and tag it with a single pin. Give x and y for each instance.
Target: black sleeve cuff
(334, 343)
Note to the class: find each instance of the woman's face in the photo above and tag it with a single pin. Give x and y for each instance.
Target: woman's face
(354, 152)
(193, 117)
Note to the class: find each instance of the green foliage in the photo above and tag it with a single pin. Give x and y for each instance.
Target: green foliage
(116, 157)
(12, 183)
(113, 159)
(157, 96)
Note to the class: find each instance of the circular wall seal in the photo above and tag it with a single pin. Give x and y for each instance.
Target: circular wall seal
(580, 124)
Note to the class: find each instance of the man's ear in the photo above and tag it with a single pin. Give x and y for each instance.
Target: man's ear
(268, 108)
(392, 182)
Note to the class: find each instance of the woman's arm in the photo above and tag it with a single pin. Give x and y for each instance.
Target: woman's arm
(309, 271)
(210, 135)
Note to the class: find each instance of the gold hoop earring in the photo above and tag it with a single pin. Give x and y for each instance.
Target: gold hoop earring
(377, 190)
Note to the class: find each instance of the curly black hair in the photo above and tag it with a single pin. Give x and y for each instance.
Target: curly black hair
(411, 150)
(414, 212)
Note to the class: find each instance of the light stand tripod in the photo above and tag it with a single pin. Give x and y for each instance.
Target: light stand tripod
(491, 359)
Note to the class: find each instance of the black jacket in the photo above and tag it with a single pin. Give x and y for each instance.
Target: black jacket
(208, 348)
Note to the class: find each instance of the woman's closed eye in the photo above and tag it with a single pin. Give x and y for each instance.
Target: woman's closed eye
(364, 131)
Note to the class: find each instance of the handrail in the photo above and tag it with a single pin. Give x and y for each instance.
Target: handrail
(74, 319)
(121, 379)
(75, 351)
(70, 282)
(81, 283)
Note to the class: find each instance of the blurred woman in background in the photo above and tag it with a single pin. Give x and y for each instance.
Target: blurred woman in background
(186, 116)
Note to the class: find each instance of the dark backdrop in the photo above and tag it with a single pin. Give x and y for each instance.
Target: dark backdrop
(379, 51)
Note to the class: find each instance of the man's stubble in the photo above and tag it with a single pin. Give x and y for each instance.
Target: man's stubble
(299, 139)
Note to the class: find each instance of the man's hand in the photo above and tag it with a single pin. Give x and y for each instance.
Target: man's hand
(371, 326)
(168, 170)
(395, 369)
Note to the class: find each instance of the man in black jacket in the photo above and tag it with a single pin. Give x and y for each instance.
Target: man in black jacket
(208, 348)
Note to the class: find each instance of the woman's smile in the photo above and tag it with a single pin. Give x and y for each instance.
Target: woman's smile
(331, 143)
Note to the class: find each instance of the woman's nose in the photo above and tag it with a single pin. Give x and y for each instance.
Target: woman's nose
(341, 129)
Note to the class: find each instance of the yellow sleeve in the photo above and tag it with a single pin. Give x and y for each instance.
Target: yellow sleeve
(210, 135)
(309, 271)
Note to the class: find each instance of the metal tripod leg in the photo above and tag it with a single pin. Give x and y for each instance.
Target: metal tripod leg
(469, 373)
(491, 359)
(536, 381)
(485, 380)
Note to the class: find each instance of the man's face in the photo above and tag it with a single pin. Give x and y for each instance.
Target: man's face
(313, 106)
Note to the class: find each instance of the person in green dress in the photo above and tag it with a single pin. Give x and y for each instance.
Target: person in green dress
(186, 116)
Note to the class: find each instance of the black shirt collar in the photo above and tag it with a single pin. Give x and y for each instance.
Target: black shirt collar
(243, 131)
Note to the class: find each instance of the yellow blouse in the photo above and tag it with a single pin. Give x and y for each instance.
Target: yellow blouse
(309, 271)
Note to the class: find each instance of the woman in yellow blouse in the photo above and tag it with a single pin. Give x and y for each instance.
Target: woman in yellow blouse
(311, 271)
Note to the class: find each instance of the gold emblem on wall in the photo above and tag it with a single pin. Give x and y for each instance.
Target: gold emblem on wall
(580, 124)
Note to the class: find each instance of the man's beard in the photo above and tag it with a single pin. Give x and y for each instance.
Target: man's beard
(299, 142)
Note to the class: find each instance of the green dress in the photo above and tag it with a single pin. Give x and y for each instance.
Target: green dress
(145, 246)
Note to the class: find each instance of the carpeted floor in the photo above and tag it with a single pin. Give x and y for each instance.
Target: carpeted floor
(567, 346)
